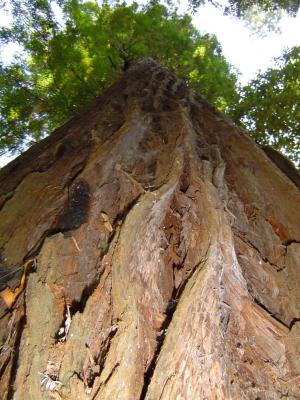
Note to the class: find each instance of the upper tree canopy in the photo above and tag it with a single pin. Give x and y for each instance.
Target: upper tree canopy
(68, 61)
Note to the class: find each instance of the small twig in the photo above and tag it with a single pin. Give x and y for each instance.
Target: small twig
(76, 244)
(131, 178)
(10, 273)
(165, 384)
(229, 212)
(112, 63)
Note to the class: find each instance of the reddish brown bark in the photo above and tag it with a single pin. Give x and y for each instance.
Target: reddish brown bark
(166, 252)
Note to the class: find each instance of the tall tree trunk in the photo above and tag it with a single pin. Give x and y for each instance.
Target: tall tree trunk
(161, 250)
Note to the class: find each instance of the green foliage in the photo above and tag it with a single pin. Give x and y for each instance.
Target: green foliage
(63, 68)
(209, 74)
(269, 107)
(241, 7)
(261, 16)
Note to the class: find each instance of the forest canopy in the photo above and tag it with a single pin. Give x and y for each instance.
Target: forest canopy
(69, 57)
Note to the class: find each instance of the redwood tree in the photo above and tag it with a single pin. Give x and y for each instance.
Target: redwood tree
(149, 250)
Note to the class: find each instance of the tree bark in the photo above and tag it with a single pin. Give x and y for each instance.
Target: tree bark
(162, 254)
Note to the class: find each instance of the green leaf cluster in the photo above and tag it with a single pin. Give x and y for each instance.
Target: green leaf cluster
(269, 107)
(240, 7)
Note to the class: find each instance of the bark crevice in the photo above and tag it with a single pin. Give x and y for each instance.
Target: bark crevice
(15, 358)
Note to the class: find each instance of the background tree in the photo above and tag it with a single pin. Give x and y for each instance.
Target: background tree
(241, 7)
(269, 106)
(262, 16)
